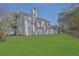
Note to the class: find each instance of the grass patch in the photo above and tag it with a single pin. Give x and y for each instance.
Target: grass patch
(50, 45)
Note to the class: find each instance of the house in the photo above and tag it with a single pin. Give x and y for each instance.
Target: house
(31, 24)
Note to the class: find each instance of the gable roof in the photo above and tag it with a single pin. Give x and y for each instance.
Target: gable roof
(26, 14)
(38, 18)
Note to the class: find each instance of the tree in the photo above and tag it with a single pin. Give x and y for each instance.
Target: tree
(4, 24)
(15, 21)
(69, 19)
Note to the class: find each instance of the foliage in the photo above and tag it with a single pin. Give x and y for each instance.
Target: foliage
(4, 25)
(14, 21)
(8, 21)
(70, 18)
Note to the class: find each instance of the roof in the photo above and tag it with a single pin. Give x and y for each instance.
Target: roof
(38, 18)
(25, 14)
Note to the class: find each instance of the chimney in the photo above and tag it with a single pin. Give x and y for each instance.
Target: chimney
(34, 12)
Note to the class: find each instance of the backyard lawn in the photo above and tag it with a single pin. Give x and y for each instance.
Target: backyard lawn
(51, 45)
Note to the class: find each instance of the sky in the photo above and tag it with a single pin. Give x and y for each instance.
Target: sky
(48, 11)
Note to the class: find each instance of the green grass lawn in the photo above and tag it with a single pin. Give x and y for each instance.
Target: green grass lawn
(51, 45)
